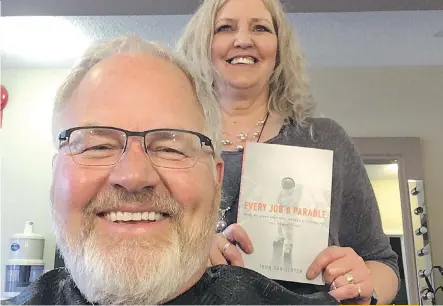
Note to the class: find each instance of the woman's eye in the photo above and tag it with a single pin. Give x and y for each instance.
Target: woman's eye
(223, 28)
(261, 28)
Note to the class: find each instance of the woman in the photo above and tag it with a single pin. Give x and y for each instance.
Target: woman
(245, 48)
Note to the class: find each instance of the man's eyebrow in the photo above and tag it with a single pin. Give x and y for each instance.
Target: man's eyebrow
(90, 123)
(99, 129)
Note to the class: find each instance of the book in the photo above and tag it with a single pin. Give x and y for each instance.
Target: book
(284, 206)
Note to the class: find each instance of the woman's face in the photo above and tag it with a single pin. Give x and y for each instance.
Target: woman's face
(244, 48)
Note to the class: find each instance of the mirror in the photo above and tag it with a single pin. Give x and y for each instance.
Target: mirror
(374, 68)
(423, 256)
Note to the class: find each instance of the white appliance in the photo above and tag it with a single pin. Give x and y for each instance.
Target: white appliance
(25, 261)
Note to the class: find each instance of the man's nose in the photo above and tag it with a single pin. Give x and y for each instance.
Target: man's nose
(134, 171)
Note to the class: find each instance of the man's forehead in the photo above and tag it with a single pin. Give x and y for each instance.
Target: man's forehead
(132, 65)
(136, 86)
(133, 76)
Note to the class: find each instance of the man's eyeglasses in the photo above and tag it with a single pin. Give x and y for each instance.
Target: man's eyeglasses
(104, 146)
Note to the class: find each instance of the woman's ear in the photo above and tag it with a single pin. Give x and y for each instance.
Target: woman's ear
(219, 170)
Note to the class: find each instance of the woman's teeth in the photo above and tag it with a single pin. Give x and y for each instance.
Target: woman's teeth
(242, 60)
(128, 216)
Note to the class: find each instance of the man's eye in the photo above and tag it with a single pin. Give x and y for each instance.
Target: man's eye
(223, 28)
(168, 150)
(81, 148)
(99, 148)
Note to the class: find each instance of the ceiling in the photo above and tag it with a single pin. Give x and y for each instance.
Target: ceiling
(185, 7)
(328, 39)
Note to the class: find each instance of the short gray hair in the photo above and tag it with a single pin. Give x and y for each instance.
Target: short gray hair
(101, 50)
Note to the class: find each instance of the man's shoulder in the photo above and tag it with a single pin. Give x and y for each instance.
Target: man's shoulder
(238, 285)
(51, 288)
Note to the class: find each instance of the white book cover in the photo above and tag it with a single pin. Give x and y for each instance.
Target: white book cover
(284, 206)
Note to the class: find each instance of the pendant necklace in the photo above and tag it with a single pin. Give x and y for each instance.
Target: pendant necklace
(242, 137)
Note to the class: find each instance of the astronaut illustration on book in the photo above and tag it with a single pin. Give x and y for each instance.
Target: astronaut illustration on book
(289, 196)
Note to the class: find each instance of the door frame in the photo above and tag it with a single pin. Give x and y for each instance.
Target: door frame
(407, 152)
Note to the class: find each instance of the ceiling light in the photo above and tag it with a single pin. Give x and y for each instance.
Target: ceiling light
(392, 168)
(41, 38)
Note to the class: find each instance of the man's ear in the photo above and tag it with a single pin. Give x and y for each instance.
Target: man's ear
(54, 157)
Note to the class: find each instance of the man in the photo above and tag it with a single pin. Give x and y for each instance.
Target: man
(136, 187)
(289, 196)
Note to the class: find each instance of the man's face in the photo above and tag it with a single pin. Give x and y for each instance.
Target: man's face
(136, 261)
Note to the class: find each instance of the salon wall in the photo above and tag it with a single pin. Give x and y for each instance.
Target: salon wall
(392, 102)
(26, 151)
(405, 101)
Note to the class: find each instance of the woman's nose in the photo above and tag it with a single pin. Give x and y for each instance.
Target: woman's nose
(243, 40)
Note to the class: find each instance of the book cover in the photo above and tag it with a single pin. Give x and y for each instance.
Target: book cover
(284, 206)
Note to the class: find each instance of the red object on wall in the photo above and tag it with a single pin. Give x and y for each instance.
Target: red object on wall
(4, 100)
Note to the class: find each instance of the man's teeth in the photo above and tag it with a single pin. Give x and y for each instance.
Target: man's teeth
(127, 216)
(243, 60)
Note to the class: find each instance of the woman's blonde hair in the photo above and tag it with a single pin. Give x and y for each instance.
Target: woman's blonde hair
(289, 93)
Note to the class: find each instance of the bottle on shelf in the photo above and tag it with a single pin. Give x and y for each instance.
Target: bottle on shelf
(427, 294)
(421, 231)
(414, 191)
(419, 210)
(424, 251)
(424, 273)
(25, 262)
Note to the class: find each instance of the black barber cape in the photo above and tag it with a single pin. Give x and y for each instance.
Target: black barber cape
(219, 285)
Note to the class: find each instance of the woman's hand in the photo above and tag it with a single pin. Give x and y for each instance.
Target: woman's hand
(224, 250)
(345, 272)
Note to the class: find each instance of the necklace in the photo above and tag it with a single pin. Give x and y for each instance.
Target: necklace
(242, 137)
(222, 223)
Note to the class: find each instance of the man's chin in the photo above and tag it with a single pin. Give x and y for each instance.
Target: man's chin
(132, 265)
(128, 243)
(115, 249)
(115, 270)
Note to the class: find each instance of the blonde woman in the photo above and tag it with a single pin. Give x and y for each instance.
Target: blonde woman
(246, 50)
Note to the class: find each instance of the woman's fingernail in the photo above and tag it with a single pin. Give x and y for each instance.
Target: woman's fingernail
(309, 274)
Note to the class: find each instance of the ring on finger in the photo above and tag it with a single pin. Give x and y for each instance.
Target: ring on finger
(224, 235)
(349, 278)
(359, 291)
(225, 247)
